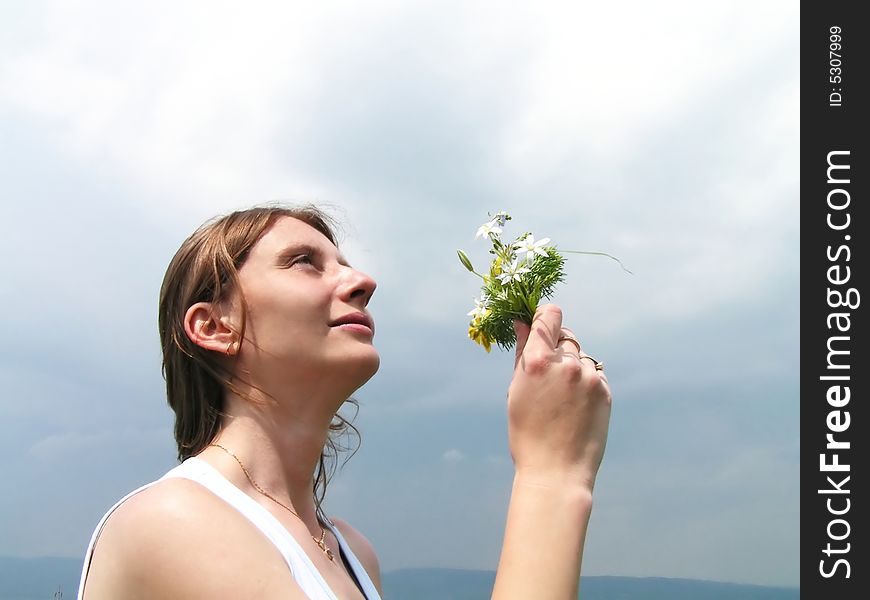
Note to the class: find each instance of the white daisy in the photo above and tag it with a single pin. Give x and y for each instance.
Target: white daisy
(490, 230)
(513, 271)
(479, 309)
(531, 247)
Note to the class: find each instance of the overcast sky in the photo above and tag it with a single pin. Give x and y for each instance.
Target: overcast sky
(665, 133)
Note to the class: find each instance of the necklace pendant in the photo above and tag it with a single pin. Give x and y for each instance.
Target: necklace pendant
(321, 543)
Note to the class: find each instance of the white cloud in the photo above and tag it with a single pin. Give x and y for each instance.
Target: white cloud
(603, 76)
(187, 103)
(453, 456)
(189, 108)
(67, 445)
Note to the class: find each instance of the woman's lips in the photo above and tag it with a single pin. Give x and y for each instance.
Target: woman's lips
(363, 322)
(356, 327)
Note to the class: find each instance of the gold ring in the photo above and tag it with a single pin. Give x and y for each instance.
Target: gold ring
(568, 338)
(599, 366)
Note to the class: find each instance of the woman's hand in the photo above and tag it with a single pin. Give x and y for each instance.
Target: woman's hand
(558, 405)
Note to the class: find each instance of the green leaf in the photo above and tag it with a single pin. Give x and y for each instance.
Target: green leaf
(464, 260)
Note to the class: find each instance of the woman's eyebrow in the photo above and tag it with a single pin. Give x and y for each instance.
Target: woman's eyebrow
(304, 248)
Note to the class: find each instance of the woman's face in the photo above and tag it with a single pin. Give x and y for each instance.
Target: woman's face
(306, 310)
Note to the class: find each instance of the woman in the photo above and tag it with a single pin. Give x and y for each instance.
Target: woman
(265, 334)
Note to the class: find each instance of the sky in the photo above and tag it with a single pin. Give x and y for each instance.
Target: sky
(664, 133)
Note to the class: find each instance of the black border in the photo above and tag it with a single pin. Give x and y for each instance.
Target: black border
(826, 128)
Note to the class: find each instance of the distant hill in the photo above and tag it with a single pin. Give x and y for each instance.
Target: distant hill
(457, 584)
(40, 578)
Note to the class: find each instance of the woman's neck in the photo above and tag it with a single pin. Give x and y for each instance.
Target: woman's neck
(279, 443)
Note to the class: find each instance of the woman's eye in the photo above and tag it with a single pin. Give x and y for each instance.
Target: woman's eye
(302, 259)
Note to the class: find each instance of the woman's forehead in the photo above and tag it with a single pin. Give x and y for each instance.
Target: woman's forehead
(288, 232)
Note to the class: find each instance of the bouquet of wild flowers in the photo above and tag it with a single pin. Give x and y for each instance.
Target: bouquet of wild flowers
(521, 273)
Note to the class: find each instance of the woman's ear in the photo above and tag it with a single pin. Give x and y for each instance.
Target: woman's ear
(206, 328)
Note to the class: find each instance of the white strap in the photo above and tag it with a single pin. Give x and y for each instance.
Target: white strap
(304, 572)
(99, 528)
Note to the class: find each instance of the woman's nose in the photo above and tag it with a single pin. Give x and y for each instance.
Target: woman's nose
(358, 285)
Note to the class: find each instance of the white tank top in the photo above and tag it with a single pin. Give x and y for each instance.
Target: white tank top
(304, 571)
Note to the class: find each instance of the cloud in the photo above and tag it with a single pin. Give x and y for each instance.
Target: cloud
(227, 119)
(70, 444)
(452, 456)
(578, 100)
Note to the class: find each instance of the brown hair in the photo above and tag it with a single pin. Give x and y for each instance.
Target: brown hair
(205, 269)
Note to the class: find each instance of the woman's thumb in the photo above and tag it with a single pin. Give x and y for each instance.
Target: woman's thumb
(522, 330)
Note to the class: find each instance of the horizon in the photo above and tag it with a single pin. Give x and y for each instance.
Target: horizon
(425, 571)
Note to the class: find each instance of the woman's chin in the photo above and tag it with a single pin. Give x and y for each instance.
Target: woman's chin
(361, 364)
(372, 365)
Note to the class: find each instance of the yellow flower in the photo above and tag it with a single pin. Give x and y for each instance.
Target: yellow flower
(495, 268)
(477, 334)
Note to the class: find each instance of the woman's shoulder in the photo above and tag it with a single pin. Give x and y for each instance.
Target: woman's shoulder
(175, 539)
(362, 549)
(164, 504)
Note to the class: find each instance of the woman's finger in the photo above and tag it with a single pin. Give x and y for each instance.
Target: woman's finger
(522, 330)
(546, 325)
(568, 342)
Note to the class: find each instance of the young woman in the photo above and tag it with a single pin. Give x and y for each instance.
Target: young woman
(265, 334)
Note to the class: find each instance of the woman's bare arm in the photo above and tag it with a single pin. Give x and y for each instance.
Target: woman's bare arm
(558, 416)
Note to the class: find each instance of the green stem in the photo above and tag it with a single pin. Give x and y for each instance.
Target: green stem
(530, 310)
(598, 254)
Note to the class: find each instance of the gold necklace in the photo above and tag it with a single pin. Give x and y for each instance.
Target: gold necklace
(321, 543)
